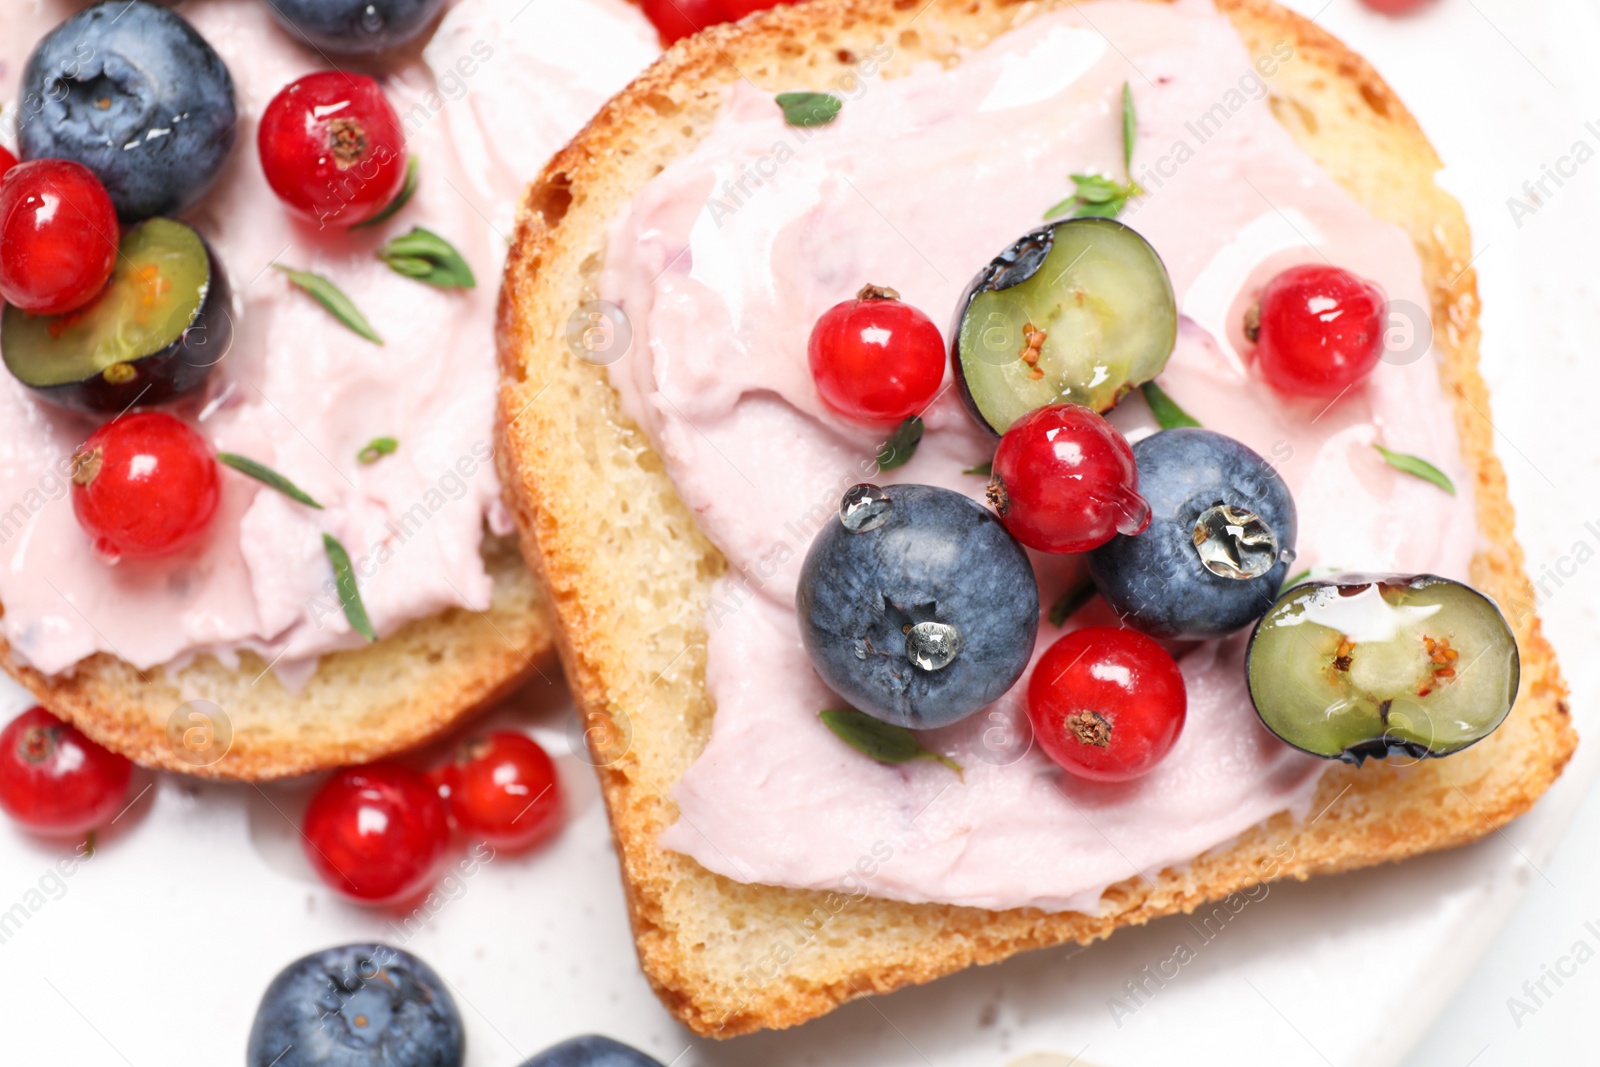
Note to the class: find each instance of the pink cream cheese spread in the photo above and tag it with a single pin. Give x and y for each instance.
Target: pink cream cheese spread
(497, 89)
(728, 257)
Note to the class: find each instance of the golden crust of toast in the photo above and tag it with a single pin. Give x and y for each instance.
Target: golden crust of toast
(359, 706)
(630, 573)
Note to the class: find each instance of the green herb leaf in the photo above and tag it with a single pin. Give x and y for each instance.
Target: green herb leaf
(1166, 409)
(1070, 602)
(407, 191)
(344, 576)
(901, 445)
(1127, 130)
(377, 448)
(427, 257)
(883, 741)
(984, 469)
(1293, 580)
(268, 477)
(809, 109)
(1095, 196)
(329, 296)
(1400, 461)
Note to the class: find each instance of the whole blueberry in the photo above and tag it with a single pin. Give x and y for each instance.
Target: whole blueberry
(357, 1006)
(1202, 568)
(916, 605)
(356, 27)
(592, 1051)
(132, 92)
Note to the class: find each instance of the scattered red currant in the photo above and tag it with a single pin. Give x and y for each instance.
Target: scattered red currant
(56, 781)
(144, 485)
(1318, 330)
(1107, 704)
(875, 358)
(1065, 481)
(7, 160)
(58, 236)
(377, 834)
(332, 148)
(503, 789)
(677, 19)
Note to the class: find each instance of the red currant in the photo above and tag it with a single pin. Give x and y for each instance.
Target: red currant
(1064, 480)
(58, 236)
(1106, 704)
(1320, 330)
(7, 160)
(677, 19)
(332, 148)
(1395, 7)
(875, 358)
(144, 485)
(377, 834)
(55, 780)
(503, 789)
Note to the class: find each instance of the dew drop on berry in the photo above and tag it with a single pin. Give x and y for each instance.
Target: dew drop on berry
(864, 507)
(933, 645)
(1235, 543)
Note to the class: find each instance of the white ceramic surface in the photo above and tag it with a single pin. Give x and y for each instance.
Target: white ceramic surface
(156, 950)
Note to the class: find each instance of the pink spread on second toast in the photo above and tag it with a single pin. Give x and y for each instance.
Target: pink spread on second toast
(727, 258)
(491, 96)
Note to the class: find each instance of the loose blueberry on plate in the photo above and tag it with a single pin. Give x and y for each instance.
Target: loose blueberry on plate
(1318, 330)
(332, 148)
(377, 834)
(132, 92)
(58, 236)
(363, 1005)
(1079, 311)
(356, 27)
(53, 780)
(592, 1051)
(1356, 666)
(502, 789)
(1107, 704)
(144, 486)
(916, 606)
(1221, 535)
(1065, 481)
(153, 334)
(876, 358)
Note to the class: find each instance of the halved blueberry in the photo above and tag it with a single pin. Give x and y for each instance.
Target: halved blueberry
(356, 27)
(1221, 535)
(1078, 311)
(1356, 666)
(134, 93)
(916, 605)
(365, 1005)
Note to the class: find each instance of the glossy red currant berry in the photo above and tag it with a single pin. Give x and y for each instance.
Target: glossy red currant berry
(377, 834)
(56, 781)
(58, 236)
(1064, 480)
(876, 358)
(1107, 704)
(332, 148)
(7, 160)
(503, 789)
(677, 19)
(1318, 330)
(144, 485)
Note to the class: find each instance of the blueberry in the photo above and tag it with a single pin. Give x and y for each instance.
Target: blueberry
(132, 92)
(356, 27)
(1220, 539)
(916, 605)
(357, 1006)
(592, 1051)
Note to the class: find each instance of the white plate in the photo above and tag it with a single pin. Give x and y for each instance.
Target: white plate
(156, 950)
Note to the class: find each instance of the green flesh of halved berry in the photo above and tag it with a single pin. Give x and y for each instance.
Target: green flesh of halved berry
(1354, 666)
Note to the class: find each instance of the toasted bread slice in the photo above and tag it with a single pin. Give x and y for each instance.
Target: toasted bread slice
(630, 573)
(359, 706)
